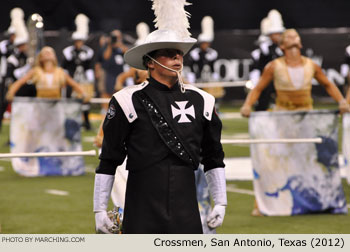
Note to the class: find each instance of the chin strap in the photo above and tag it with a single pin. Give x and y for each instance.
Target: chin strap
(179, 77)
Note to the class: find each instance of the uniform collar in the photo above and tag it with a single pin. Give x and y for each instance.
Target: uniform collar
(162, 87)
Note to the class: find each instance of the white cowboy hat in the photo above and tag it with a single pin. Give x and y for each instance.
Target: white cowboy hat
(159, 39)
(142, 31)
(207, 34)
(275, 22)
(82, 25)
(172, 23)
(18, 24)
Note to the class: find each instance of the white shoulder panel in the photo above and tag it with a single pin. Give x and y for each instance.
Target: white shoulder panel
(256, 54)
(89, 51)
(3, 46)
(13, 60)
(264, 47)
(67, 52)
(209, 101)
(195, 54)
(348, 50)
(124, 98)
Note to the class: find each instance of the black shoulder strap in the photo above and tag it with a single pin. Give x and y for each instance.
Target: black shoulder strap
(165, 131)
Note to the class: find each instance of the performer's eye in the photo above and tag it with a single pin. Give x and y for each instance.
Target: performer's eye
(170, 53)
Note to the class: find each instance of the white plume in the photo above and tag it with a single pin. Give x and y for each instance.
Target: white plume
(17, 22)
(171, 15)
(16, 13)
(207, 34)
(82, 24)
(275, 17)
(264, 26)
(142, 30)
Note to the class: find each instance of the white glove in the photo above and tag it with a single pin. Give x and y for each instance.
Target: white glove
(102, 193)
(217, 187)
(216, 217)
(103, 223)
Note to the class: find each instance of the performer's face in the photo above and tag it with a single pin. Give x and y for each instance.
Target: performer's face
(78, 44)
(47, 56)
(12, 37)
(276, 38)
(171, 58)
(204, 45)
(291, 39)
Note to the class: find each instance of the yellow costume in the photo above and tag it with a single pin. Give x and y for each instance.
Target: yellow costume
(289, 95)
(48, 85)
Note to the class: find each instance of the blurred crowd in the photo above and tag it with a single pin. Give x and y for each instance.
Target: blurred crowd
(29, 68)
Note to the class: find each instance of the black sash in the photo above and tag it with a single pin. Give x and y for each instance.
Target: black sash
(165, 132)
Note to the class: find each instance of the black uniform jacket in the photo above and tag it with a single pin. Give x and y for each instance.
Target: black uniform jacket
(161, 193)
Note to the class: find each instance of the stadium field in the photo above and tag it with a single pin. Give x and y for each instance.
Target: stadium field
(63, 205)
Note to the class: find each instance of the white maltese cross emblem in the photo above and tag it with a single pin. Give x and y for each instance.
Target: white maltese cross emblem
(183, 111)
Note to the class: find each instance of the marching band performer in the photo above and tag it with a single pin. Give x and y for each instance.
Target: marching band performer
(47, 77)
(78, 62)
(17, 63)
(202, 58)
(6, 49)
(164, 127)
(292, 75)
(271, 29)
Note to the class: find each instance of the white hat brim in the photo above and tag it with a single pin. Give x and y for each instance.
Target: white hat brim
(20, 41)
(275, 30)
(134, 56)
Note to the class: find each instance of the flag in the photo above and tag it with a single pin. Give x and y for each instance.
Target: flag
(296, 178)
(346, 145)
(46, 125)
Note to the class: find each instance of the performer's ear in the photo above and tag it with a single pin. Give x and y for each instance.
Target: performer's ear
(150, 64)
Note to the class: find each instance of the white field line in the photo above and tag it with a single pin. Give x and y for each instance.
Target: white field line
(88, 139)
(231, 115)
(235, 136)
(57, 192)
(233, 189)
(2, 169)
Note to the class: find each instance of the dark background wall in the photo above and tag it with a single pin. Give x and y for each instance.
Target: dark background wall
(228, 14)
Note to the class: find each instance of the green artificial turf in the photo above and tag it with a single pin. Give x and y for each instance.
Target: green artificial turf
(26, 208)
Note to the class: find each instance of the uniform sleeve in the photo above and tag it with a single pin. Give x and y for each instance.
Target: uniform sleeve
(89, 67)
(347, 57)
(9, 72)
(115, 128)
(212, 152)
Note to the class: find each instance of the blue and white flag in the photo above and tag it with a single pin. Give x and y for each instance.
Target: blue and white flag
(46, 125)
(296, 178)
(346, 145)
